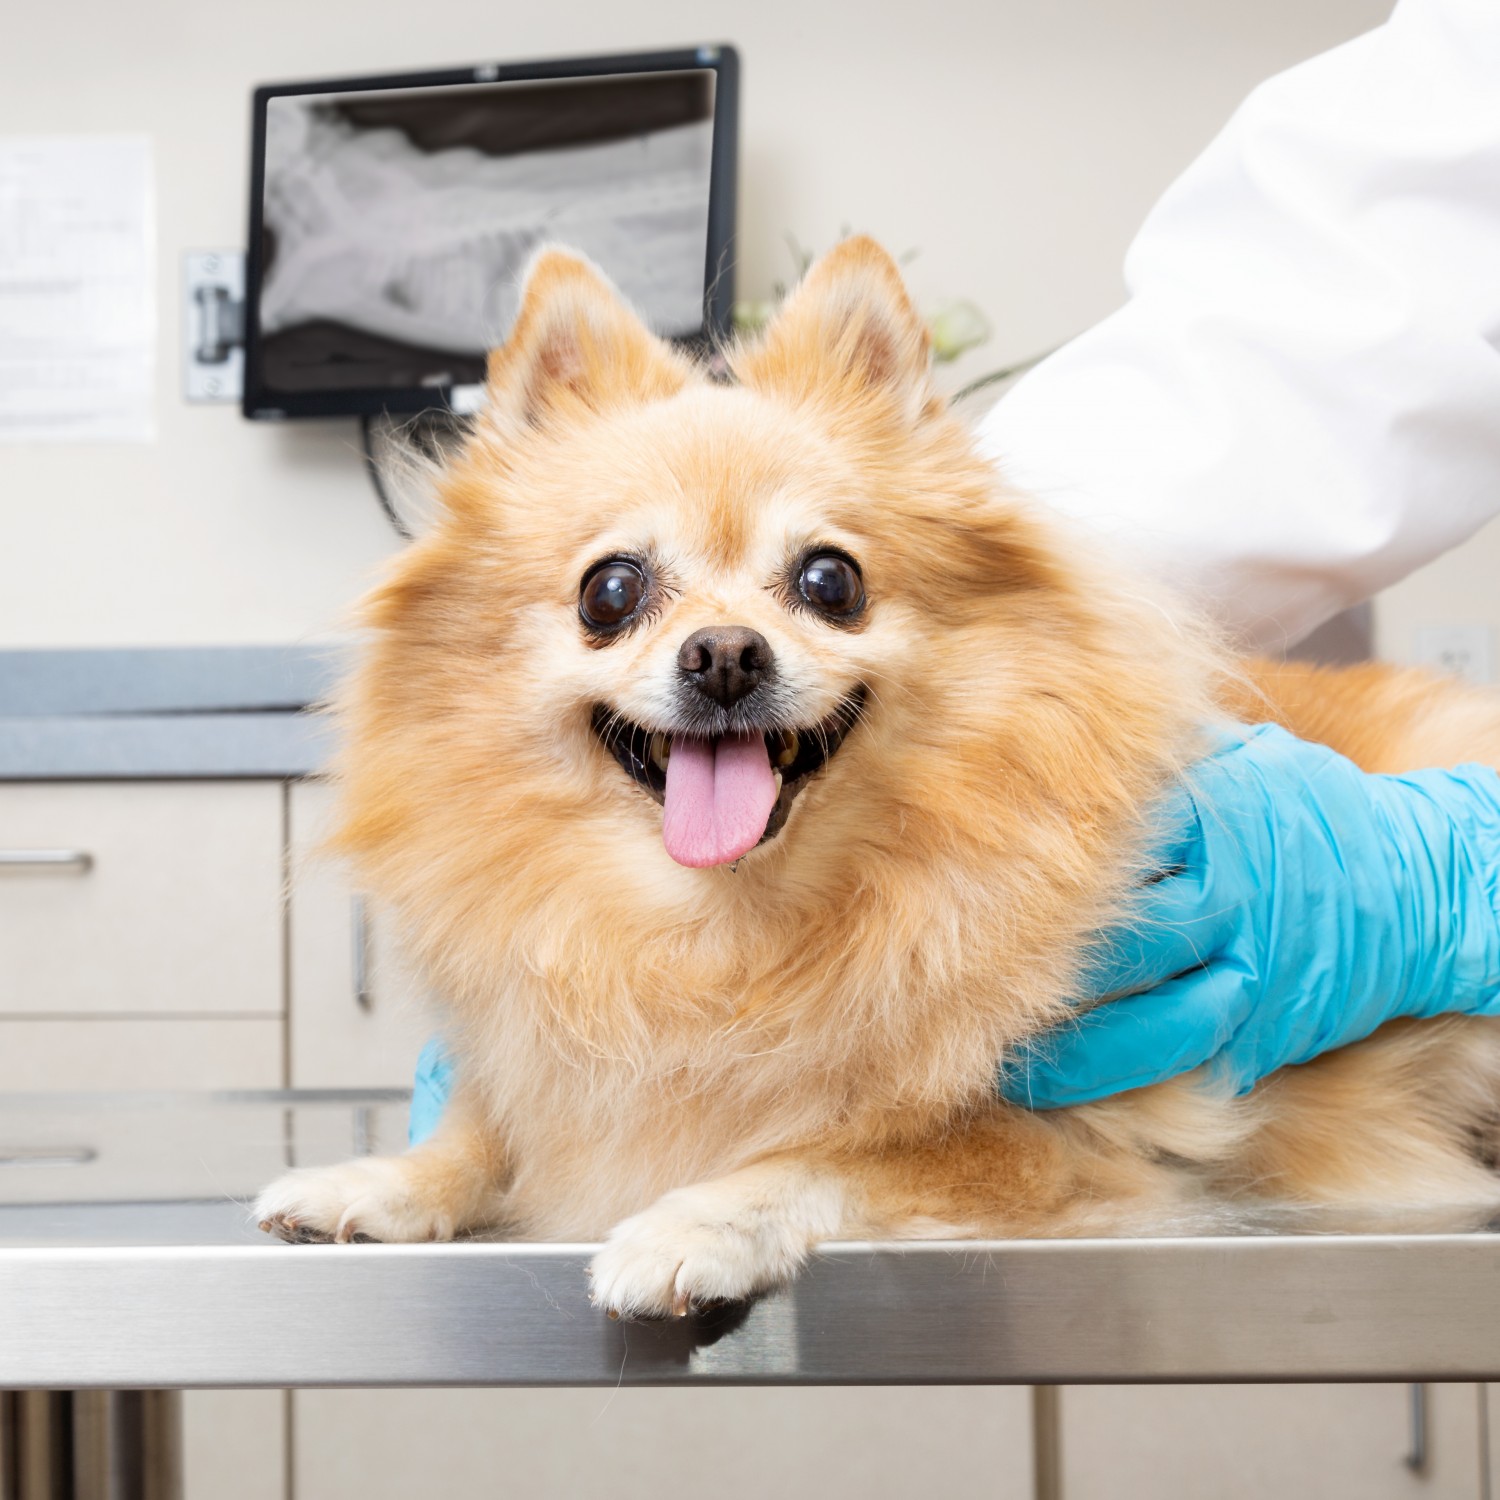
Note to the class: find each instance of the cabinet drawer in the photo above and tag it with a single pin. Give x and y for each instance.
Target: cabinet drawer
(100, 1148)
(122, 1053)
(171, 906)
(184, 1163)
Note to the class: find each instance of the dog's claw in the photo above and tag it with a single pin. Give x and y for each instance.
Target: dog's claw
(286, 1229)
(295, 1233)
(681, 1303)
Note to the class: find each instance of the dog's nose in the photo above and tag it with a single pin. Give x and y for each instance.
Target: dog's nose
(726, 662)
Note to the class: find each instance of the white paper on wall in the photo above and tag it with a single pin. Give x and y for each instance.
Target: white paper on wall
(77, 278)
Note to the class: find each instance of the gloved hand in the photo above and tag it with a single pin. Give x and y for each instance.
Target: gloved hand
(430, 1090)
(1305, 903)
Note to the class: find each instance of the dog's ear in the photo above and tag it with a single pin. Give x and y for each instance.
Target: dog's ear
(849, 334)
(575, 346)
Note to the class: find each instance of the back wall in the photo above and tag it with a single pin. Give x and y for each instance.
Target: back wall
(1017, 147)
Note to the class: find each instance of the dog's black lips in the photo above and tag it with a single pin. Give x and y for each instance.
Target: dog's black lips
(630, 744)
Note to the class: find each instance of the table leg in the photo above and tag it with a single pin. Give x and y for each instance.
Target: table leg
(90, 1445)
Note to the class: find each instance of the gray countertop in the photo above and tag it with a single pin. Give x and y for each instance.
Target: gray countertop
(127, 1259)
(173, 712)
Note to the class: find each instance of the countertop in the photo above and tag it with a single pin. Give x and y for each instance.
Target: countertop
(171, 712)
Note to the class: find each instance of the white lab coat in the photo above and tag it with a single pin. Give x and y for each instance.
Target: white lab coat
(1300, 402)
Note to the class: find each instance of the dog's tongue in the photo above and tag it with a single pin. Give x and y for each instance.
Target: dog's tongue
(719, 798)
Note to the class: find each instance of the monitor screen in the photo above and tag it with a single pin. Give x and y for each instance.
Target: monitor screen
(391, 223)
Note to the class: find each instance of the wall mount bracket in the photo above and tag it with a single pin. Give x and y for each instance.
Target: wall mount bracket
(213, 325)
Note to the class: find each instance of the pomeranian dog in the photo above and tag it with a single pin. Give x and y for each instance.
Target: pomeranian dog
(751, 772)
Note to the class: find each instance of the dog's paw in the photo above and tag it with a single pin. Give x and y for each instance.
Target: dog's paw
(687, 1252)
(371, 1198)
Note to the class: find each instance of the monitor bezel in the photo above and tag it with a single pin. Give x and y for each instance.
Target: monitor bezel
(263, 404)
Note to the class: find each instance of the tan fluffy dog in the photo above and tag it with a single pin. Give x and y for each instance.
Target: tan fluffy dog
(750, 771)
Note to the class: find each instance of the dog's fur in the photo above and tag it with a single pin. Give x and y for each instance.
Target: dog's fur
(720, 1067)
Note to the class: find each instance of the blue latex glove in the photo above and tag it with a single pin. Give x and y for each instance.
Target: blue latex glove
(430, 1090)
(1308, 902)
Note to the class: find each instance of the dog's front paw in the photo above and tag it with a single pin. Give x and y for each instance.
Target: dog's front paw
(372, 1198)
(686, 1251)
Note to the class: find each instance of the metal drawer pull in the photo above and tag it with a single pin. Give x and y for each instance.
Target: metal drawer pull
(47, 1156)
(360, 930)
(48, 859)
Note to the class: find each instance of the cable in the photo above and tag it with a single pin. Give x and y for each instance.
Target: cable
(376, 483)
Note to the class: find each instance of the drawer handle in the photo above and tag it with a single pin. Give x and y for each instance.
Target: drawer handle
(360, 933)
(1416, 1406)
(47, 859)
(47, 1156)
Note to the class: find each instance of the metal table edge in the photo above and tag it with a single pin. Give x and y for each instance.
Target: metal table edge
(1221, 1308)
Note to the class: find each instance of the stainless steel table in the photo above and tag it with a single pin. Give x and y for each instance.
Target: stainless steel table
(128, 1262)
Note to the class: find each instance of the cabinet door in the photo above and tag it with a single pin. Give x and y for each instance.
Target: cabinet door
(873, 1442)
(234, 1445)
(356, 1007)
(1322, 1442)
(137, 898)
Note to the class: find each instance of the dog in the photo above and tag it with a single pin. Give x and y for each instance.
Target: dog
(751, 772)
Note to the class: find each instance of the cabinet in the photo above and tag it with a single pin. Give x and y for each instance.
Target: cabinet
(1296, 1442)
(355, 1005)
(880, 1443)
(173, 934)
(142, 947)
(141, 935)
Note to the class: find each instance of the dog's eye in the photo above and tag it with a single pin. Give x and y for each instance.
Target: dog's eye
(611, 594)
(831, 584)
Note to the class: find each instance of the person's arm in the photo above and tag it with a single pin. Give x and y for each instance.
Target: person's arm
(1302, 904)
(1297, 406)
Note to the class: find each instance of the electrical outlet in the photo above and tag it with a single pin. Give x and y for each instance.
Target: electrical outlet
(1466, 651)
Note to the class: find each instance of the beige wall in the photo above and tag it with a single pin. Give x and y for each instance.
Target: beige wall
(1461, 589)
(1018, 145)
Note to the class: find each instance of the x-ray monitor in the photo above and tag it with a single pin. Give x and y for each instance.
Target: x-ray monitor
(391, 218)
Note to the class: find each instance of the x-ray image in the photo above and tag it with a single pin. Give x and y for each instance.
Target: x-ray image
(396, 225)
